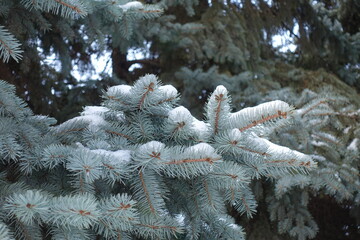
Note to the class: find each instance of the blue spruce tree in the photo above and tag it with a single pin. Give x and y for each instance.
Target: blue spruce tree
(142, 167)
(139, 166)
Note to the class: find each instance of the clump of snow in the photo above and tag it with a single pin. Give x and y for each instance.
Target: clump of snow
(266, 144)
(123, 154)
(152, 146)
(300, 112)
(169, 90)
(235, 134)
(180, 218)
(94, 110)
(94, 121)
(180, 114)
(182, 111)
(346, 130)
(202, 148)
(319, 144)
(353, 145)
(201, 129)
(131, 5)
(232, 225)
(247, 116)
(200, 126)
(318, 158)
(120, 116)
(122, 89)
(115, 157)
(220, 89)
(94, 115)
(79, 145)
(277, 151)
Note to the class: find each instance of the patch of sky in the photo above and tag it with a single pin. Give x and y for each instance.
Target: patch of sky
(102, 64)
(314, 2)
(284, 41)
(50, 60)
(137, 53)
(240, 3)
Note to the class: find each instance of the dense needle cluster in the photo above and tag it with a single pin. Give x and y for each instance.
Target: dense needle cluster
(139, 165)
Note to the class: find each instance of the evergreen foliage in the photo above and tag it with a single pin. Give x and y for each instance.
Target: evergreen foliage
(127, 13)
(53, 38)
(327, 127)
(196, 46)
(9, 46)
(94, 176)
(327, 37)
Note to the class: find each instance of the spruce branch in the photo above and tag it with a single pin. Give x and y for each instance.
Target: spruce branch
(266, 114)
(28, 207)
(317, 104)
(118, 214)
(149, 191)
(119, 134)
(5, 233)
(9, 46)
(165, 227)
(64, 8)
(146, 192)
(218, 109)
(79, 210)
